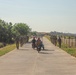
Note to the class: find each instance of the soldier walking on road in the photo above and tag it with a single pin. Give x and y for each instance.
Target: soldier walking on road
(55, 40)
(59, 42)
(27, 38)
(17, 42)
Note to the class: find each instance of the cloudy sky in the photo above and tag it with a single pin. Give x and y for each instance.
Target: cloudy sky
(41, 15)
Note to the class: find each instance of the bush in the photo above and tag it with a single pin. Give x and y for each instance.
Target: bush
(1, 45)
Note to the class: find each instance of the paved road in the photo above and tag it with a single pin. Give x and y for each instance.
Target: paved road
(26, 61)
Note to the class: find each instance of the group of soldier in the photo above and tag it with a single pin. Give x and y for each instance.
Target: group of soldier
(54, 39)
(21, 40)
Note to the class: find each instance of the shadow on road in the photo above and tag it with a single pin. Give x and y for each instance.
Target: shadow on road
(48, 50)
(25, 49)
(44, 53)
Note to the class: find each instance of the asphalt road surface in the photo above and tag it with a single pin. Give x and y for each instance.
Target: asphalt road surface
(27, 61)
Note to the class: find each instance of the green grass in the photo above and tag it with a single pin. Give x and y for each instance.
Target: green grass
(7, 49)
(48, 37)
(71, 51)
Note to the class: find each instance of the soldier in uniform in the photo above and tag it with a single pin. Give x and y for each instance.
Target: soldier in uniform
(59, 42)
(17, 42)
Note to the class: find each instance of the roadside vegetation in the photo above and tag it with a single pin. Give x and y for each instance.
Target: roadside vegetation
(8, 34)
(7, 49)
(48, 37)
(71, 51)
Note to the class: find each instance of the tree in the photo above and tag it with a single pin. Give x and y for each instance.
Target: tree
(3, 31)
(20, 29)
(34, 33)
(9, 32)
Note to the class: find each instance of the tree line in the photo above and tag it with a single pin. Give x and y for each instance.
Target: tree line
(9, 31)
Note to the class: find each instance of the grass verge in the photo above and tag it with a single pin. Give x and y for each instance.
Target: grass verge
(71, 51)
(7, 49)
(48, 37)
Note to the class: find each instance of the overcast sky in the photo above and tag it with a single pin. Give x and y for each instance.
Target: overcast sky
(41, 15)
